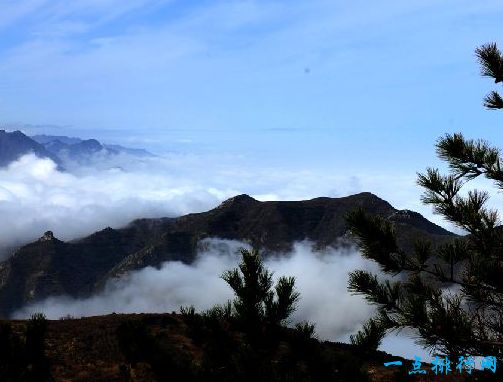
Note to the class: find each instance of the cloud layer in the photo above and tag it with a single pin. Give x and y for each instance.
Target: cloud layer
(35, 197)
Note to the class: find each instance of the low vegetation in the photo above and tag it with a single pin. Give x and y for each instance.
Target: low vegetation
(22, 353)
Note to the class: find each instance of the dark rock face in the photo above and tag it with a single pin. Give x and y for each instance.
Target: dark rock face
(81, 267)
(16, 144)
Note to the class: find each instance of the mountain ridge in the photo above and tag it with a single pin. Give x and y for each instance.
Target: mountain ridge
(81, 149)
(59, 148)
(81, 267)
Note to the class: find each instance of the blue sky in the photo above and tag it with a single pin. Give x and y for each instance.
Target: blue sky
(323, 84)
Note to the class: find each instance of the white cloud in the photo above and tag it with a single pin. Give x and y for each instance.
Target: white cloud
(35, 197)
(321, 278)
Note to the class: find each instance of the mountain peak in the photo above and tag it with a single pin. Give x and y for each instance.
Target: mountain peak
(90, 144)
(48, 236)
(370, 200)
(368, 195)
(238, 200)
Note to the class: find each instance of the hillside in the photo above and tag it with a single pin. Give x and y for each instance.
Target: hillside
(82, 267)
(161, 347)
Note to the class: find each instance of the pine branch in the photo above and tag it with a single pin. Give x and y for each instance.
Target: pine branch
(377, 239)
(365, 283)
(286, 303)
(493, 101)
(491, 61)
(370, 336)
(469, 158)
(468, 213)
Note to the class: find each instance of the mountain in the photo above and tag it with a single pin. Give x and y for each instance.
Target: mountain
(84, 150)
(130, 151)
(60, 149)
(81, 267)
(15, 144)
(44, 139)
(81, 151)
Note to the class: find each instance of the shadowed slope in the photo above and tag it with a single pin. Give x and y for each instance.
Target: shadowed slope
(79, 268)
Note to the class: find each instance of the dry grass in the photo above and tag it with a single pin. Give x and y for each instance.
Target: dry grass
(87, 349)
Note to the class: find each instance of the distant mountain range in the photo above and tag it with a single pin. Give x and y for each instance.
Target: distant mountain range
(60, 149)
(80, 149)
(82, 267)
(14, 145)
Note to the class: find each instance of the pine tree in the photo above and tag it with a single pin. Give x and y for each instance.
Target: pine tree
(451, 294)
(256, 300)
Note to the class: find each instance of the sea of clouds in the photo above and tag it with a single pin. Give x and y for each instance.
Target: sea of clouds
(36, 197)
